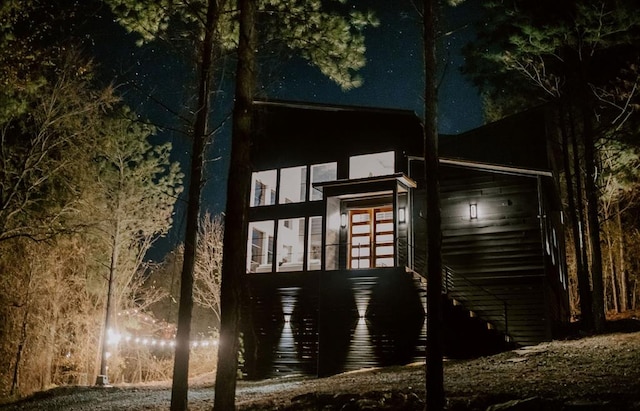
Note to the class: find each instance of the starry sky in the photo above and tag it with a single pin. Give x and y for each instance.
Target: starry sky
(393, 78)
(393, 75)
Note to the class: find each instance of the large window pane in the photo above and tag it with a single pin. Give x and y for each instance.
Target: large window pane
(260, 247)
(321, 173)
(290, 244)
(370, 165)
(293, 184)
(314, 257)
(263, 188)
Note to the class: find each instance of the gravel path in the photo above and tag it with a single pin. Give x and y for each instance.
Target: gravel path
(591, 373)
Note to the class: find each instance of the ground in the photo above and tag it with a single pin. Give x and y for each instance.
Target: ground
(588, 373)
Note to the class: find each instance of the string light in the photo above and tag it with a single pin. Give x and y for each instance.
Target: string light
(114, 337)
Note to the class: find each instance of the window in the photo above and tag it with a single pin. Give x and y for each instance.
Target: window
(321, 173)
(257, 242)
(290, 244)
(371, 165)
(260, 247)
(293, 185)
(263, 188)
(314, 253)
(371, 238)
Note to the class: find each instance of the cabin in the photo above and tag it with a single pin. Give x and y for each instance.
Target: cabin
(336, 248)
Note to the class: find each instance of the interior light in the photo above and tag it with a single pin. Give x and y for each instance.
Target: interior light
(343, 220)
(402, 217)
(473, 211)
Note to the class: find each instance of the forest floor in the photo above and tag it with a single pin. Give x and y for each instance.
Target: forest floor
(598, 372)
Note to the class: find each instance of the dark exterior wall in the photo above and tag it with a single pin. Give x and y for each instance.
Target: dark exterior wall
(289, 135)
(325, 323)
(520, 141)
(498, 264)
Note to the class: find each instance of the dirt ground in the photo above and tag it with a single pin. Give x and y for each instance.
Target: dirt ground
(588, 373)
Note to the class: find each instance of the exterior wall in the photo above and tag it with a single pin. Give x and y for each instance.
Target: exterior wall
(504, 269)
(290, 135)
(498, 264)
(326, 323)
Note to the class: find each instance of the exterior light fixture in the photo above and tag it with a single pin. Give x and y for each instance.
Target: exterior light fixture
(343, 220)
(402, 215)
(473, 211)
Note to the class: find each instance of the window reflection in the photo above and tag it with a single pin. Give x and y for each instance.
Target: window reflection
(293, 185)
(321, 173)
(290, 244)
(371, 165)
(260, 247)
(315, 243)
(263, 188)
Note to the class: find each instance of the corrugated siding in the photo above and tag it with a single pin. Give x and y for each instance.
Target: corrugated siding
(326, 323)
(496, 259)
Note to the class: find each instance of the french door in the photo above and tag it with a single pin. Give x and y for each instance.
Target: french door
(371, 237)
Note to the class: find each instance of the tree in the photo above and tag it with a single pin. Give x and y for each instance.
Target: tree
(330, 41)
(239, 181)
(237, 212)
(434, 381)
(619, 194)
(41, 143)
(51, 119)
(570, 52)
(165, 276)
(208, 268)
(46, 313)
(49, 107)
(136, 190)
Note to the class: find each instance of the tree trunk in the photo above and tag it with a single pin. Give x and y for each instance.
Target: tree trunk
(103, 378)
(434, 381)
(612, 269)
(23, 338)
(237, 212)
(594, 220)
(586, 299)
(584, 290)
(48, 368)
(180, 381)
(622, 269)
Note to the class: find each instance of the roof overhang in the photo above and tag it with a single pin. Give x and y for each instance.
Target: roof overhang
(496, 168)
(358, 187)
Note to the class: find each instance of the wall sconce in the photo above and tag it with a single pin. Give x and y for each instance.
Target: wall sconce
(402, 215)
(343, 220)
(473, 211)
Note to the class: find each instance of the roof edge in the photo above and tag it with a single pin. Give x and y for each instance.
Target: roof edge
(496, 167)
(331, 107)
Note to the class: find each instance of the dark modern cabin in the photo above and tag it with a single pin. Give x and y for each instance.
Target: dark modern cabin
(337, 239)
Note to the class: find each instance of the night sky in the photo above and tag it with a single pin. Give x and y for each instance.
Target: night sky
(393, 78)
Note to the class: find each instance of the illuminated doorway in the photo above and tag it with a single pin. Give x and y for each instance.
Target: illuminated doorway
(371, 237)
